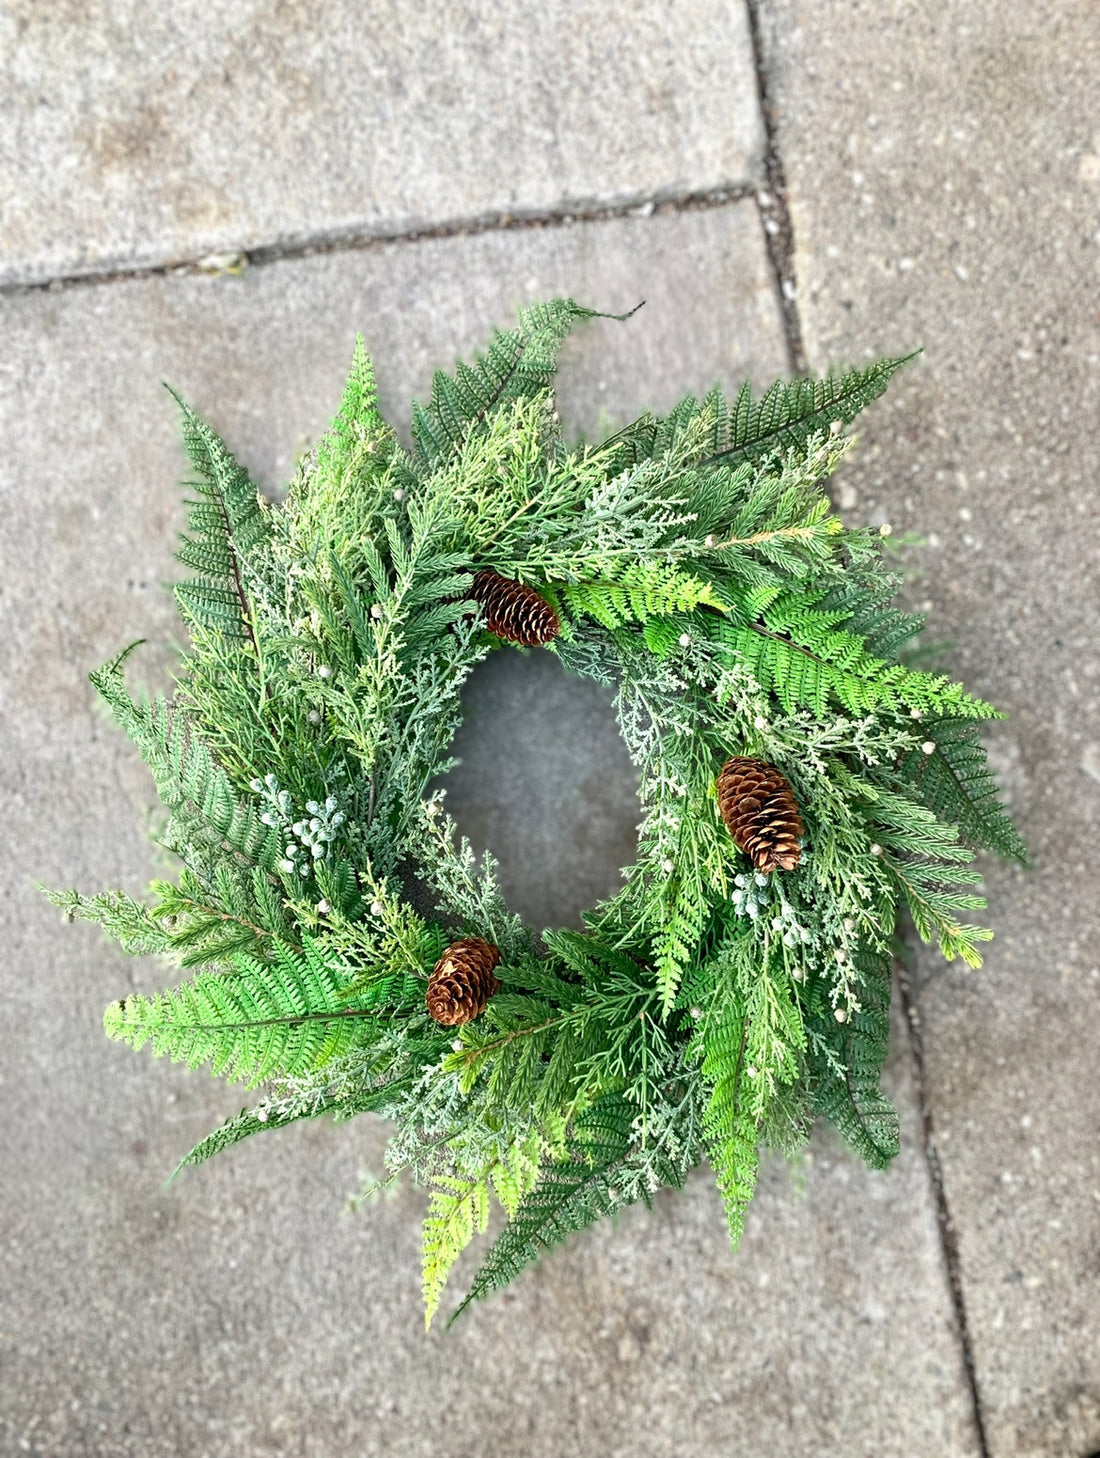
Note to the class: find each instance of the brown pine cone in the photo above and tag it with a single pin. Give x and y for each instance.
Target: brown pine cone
(462, 982)
(512, 611)
(761, 813)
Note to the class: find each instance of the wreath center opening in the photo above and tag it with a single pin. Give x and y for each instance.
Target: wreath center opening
(545, 784)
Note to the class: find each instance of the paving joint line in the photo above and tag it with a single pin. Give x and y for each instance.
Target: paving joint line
(228, 260)
(948, 1235)
(774, 203)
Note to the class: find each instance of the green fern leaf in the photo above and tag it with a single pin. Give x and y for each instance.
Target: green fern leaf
(846, 1085)
(518, 363)
(265, 1117)
(285, 1017)
(956, 784)
(183, 768)
(569, 1196)
(731, 1128)
(458, 1209)
(227, 534)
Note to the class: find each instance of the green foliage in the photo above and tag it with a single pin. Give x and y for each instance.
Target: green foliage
(264, 1019)
(707, 1009)
(570, 1195)
(517, 363)
(635, 594)
(845, 1078)
(458, 1209)
(807, 657)
(956, 783)
(227, 534)
(784, 417)
(731, 1121)
(188, 779)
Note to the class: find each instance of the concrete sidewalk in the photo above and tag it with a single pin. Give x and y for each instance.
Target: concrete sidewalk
(938, 191)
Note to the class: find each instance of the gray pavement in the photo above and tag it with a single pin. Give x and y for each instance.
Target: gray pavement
(135, 134)
(239, 1311)
(945, 186)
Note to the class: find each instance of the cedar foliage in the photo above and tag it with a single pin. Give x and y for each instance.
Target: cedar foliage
(694, 564)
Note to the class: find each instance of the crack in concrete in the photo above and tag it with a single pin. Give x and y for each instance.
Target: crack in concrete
(779, 237)
(231, 260)
(774, 202)
(948, 1235)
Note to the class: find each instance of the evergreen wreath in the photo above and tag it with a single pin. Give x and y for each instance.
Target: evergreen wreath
(798, 785)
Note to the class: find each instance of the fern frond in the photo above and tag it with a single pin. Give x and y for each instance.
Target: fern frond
(677, 943)
(790, 411)
(458, 1209)
(517, 363)
(928, 866)
(638, 592)
(798, 650)
(183, 768)
(280, 1112)
(569, 1196)
(783, 418)
(956, 784)
(732, 1131)
(284, 1017)
(227, 533)
(845, 1084)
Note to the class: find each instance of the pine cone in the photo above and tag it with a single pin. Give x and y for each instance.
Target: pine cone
(761, 813)
(462, 982)
(512, 611)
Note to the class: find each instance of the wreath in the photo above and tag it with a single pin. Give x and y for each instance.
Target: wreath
(798, 785)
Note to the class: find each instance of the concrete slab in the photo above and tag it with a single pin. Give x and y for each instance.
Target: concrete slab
(943, 166)
(238, 1313)
(133, 134)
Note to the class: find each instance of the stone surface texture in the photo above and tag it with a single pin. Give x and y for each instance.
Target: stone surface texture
(238, 1311)
(135, 134)
(944, 171)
